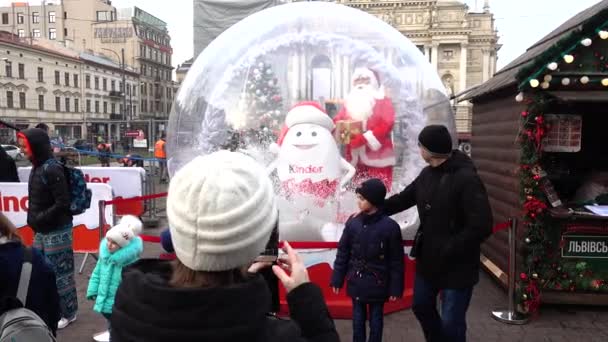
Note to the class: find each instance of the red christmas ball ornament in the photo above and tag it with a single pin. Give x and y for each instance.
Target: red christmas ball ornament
(524, 114)
(539, 119)
(558, 286)
(523, 276)
(533, 215)
(536, 177)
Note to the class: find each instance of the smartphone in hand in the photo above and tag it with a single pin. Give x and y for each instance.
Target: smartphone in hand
(271, 252)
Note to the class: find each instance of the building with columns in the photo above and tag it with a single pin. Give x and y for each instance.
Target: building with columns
(461, 43)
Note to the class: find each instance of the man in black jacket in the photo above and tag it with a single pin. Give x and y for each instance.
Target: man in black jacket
(455, 218)
(50, 217)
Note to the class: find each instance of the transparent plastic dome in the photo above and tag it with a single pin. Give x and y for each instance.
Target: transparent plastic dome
(239, 90)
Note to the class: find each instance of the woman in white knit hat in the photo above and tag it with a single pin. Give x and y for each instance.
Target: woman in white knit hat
(221, 209)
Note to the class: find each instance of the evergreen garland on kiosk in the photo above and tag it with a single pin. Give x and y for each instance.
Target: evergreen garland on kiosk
(543, 266)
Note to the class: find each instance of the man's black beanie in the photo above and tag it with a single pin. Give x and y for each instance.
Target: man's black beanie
(436, 139)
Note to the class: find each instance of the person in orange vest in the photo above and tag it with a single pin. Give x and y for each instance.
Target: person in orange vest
(161, 154)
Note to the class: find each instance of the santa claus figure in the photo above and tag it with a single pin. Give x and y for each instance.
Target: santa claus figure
(364, 125)
(310, 170)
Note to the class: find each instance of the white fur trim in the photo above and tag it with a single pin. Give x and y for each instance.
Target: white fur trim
(360, 154)
(309, 115)
(372, 142)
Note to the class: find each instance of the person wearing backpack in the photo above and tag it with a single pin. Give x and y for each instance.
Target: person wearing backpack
(42, 297)
(50, 216)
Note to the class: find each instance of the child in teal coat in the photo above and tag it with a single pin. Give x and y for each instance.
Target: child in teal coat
(121, 247)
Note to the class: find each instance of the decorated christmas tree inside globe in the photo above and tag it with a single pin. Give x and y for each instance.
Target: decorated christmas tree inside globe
(324, 96)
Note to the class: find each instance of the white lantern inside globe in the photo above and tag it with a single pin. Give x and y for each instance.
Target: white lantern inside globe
(586, 42)
(565, 81)
(568, 59)
(519, 97)
(603, 34)
(312, 49)
(584, 80)
(605, 82)
(552, 66)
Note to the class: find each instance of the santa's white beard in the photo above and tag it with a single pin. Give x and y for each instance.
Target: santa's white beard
(360, 102)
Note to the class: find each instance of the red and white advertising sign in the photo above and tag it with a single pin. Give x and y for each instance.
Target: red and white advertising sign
(125, 181)
(14, 204)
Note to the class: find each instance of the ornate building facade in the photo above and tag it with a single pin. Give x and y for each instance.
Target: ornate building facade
(462, 44)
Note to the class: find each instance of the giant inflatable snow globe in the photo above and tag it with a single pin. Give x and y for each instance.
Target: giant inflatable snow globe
(323, 95)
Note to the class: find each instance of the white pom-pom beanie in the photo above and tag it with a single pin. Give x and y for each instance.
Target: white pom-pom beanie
(221, 209)
(126, 230)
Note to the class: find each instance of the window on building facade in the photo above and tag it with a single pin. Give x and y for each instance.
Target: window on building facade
(9, 99)
(76, 80)
(67, 104)
(40, 102)
(36, 33)
(113, 85)
(65, 15)
(67, 79)
(57, 104)
(35, 17)
(128, 89)
(144, 69)
(104, 84)
(105, 107)
(22, 100)
(134, 110)
(76, 105)
(52, 17)
(120, 86)
(21, 69)
(104, 16)
(4, 18)
(87, 81)
(120, 109)
(57, 77)
(113, 108)
(88, 105)
(143, 89)
(52, 34)
(65, 32)
(40, 74)
(21, 33)
(96, 82)
(134, 90)
(96, 106)
(448, 55)
(20, 18)
(8, 68)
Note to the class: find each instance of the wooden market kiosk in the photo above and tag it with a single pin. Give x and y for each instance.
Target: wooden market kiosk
(540, 142)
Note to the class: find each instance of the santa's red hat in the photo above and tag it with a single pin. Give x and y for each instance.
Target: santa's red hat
(308, 112)
(373, 75)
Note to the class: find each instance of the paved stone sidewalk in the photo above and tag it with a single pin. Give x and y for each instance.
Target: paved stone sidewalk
(556, 323)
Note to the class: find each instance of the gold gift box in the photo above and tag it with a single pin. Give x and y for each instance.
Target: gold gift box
(345, 129)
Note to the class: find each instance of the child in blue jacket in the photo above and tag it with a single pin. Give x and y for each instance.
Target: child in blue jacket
(121, 247)
(370, 259)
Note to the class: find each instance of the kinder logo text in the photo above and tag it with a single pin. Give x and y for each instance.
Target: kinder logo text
(305, 169)
(13, 203)
(89, 179)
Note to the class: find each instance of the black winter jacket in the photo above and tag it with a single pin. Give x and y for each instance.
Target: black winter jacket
(148, 309)
(455, 219)
(42, 295)
(8, 169)
(48, 189)
(370, 258)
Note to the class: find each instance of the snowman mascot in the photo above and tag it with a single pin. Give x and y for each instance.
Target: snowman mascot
(312, 174)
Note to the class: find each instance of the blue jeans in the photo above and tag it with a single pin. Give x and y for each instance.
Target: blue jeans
(376, 320)
(451, 326)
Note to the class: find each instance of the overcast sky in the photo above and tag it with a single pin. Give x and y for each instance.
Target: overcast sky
(520, 22)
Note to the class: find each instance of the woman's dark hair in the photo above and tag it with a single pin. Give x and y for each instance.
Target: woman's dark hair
(183, 276)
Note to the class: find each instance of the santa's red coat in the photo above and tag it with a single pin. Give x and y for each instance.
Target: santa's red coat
(374, 148)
